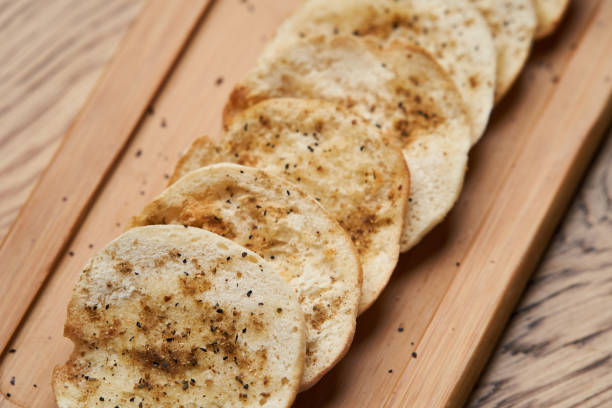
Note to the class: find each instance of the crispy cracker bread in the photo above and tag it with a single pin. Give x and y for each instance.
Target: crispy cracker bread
(549, 13)
(307, 247)
(358, 176)
(401, 89)
(454, 32)
(513, 25)
(169, 316)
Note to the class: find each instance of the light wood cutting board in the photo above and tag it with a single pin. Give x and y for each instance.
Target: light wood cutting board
(425, 341)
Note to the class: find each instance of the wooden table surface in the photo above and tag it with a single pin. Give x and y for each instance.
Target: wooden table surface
(557, 348)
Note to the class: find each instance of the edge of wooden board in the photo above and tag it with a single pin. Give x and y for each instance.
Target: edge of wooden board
(580, 121)
(41, 231)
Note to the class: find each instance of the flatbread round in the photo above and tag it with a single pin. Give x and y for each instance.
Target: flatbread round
(169, 316)
(454, 32)
(307, 247)
(512, 24)
(549, 13)
(358, 176)
(401, 89)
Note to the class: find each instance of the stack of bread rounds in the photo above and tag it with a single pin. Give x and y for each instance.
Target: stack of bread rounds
(292, 231)
(240, 284)
(340, 159)
(453, 32)
(168, 316)
(399, 89)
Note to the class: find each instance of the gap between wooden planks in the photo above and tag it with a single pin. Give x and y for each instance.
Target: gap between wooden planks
(188, 112)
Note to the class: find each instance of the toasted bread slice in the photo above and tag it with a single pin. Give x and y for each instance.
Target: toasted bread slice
(307, 247)
(358, 176)
(168, 316)
(401, 89)
(549, 13)
(453, 32)
(513, 25)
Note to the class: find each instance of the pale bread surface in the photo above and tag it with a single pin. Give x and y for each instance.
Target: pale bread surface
(292, 231)
(401, 89)
(549, 13)
(162, 316)
(453, 32)
(335, 156)
(513, 25)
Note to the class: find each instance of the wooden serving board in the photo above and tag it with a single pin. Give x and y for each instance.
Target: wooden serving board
(425, 341)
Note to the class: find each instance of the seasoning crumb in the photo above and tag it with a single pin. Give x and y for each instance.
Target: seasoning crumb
(163, 122)
(71, 253)
(166, 176)
(64, 198)
(139, 153)
(457, 263)
(219, 81)
(244, 254)
(90, 246)
(414, 354)
(400, 329)
(13, 380)
(390, 371)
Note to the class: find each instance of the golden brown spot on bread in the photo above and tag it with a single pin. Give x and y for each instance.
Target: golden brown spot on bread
(318, 316)
(124, 267)
(194, 284)
(197, 212)
(362, 227)
(474, 82)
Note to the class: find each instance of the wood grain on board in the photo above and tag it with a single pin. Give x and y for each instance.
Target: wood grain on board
(557, 349)
(190, 104)
(52, 213)
(52, 54)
